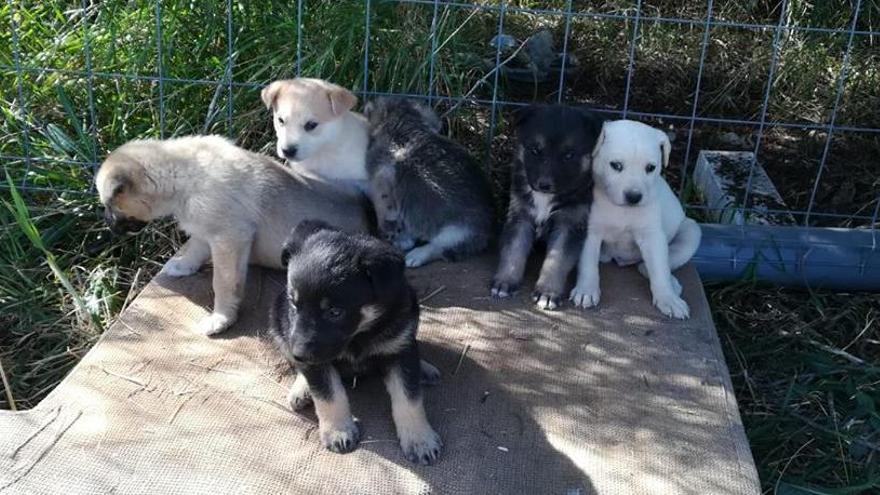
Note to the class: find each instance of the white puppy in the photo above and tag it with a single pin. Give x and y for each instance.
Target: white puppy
(316, 130)
(635, 216)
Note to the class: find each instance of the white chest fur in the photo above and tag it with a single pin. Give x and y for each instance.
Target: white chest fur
(542, 206)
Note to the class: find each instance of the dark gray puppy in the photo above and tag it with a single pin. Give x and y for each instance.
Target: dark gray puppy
(432, 200)
(348, 310)
(550, 194)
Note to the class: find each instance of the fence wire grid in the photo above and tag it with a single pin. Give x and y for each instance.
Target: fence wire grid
(487, 92)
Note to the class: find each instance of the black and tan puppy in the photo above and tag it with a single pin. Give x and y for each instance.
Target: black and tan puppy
(348, 309)
(550, 195)
(236, 206)
(426, 189)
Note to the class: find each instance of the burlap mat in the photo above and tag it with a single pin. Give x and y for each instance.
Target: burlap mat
(618, 400)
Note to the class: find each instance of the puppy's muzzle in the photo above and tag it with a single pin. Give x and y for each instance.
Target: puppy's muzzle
(290, 152)
(632, 197)
(122, 225)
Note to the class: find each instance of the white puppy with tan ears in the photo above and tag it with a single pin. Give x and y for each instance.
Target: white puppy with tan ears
(635, 217)
(316, 130)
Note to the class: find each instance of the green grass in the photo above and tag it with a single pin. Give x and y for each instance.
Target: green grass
(806, 371)
(809, 412)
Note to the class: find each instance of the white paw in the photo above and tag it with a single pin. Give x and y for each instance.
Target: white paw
(418, 256)
(585, 295)
(179, 268)
(421, 447)
(299, 396)
(342, 438)
(213, 324)
(673, 306)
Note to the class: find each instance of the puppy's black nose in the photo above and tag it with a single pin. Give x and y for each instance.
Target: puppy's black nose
(545, 185)
(632, 197)
(290, 152)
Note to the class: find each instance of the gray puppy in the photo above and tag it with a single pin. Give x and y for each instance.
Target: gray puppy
(426, 189)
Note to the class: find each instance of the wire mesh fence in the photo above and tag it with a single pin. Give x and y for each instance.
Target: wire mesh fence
(33, 140)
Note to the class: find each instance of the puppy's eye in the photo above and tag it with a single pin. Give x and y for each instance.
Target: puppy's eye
(617, 166)
(280, 121)
(568, 156)
(310, 125)
(333, 314)
(535, 150)
(650, 168)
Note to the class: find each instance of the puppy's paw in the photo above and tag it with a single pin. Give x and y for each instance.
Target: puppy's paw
(586, 295)
(179, 268)
(673, 306)
(546, 299)
(299, 396)
(341, 438)
(429, 375)
(418, 256)
(502, 289)
(213, 324)
(421, 446)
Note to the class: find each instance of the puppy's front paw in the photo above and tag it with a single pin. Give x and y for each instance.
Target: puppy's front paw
(502, 289)
(213, 324)
(299, 396)
(672, 306)
(418, 256)
(422, 446)
(342, 438)
(546, 299)
(586, 295)
(179, 268)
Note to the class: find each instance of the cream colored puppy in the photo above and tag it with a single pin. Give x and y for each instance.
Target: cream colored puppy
(635, 217)
(316, 130)
(238, 208)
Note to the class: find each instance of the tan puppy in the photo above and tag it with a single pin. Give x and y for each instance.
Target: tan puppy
(238, 207)
(316, 130)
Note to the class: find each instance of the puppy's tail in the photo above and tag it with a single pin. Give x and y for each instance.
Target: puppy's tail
(684, 244)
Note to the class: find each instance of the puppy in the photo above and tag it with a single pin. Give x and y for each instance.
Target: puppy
(348, 309)
(550, 194)
(236, 206)
(425, 188)
(316, 130)
(636, 217)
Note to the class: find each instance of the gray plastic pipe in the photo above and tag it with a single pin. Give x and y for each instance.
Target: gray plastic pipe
(840, 259)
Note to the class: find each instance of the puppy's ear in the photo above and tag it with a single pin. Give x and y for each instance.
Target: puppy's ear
(428, 116)
(384, 266)
(298, 236)
(341, 100)
(523, 114)
(665, 147)
(270, 93)
(599, 140)
(368, 109)
(120, 185)
(592, 121)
